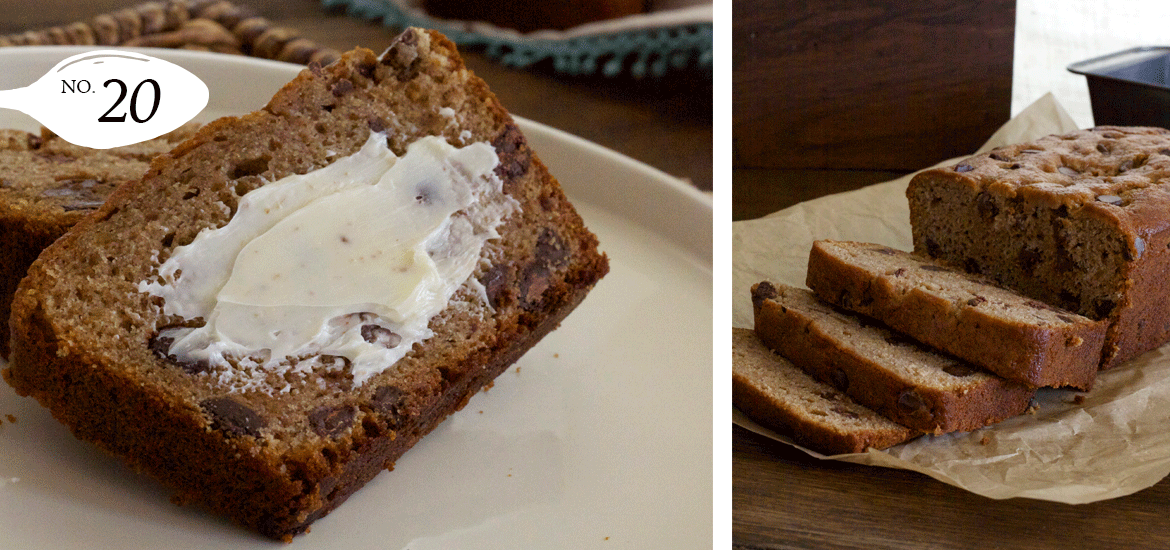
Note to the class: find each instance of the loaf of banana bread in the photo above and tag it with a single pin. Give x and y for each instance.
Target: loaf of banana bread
(1079, 221)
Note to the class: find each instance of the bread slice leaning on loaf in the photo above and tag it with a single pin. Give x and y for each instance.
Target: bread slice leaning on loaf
(777, 394)
(291, 445)
(883, 370)
(966, 315)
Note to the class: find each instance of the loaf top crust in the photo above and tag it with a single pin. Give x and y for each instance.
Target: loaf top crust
(1110, 171)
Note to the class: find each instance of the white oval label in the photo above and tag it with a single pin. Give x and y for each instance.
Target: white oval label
(110, 98)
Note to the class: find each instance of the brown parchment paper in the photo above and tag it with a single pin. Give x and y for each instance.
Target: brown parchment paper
(1115, 442)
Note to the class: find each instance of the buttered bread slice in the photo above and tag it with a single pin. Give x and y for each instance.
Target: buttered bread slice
(290, 299)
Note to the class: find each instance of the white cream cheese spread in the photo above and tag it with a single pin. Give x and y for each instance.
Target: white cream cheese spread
(346, 264)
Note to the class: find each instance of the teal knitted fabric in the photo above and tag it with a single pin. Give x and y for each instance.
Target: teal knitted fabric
(648, 52)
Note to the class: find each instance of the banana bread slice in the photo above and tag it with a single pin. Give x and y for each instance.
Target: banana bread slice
(968, 316)
(48, 184)
(277, 441)
(881, 369)
(777, 394)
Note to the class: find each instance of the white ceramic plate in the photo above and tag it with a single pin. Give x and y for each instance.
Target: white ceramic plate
(599, 437)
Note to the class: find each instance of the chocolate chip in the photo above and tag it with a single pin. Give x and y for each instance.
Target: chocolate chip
(382, 336)
(515, 157)
(534, 281)
(912, 404)
(976, 301)
(899, 272)
(341, 87)
(886, 251)
(331, 421)
(929, 267)
(985, 205)
(1111, 199)
(367, 69)
(959, 370)
(390, 401)
(840, 380)
(763, 291)
(551, 249)
(1068, 171)
(232, 417)
(375, 124)
(85, 194)
(999, 157)
(1034, 304)
(1103, 148)
(1028, 259)
(495, 283)
(964, 167)
(1066, 318)
(161, 346)
(402, 56)
(35, 141)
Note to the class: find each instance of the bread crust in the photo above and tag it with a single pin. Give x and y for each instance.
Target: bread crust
(275, 461)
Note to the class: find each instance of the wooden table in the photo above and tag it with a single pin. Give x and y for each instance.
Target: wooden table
(665, 123)
(785, 499)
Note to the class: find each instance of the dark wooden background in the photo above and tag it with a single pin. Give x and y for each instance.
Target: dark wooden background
(876, 88)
